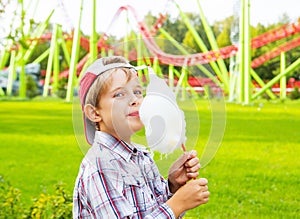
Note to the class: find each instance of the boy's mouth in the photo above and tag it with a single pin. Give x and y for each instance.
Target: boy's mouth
(136, 113)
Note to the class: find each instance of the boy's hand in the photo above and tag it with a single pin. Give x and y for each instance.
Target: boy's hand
(189, 196)
(186, 167)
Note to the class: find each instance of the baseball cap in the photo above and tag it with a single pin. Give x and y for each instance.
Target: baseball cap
(93, 71)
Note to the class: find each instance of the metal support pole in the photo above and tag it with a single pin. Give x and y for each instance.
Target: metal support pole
(64, 47)
(233, 69)
(184, 82)
(183, 50)
(36, 35)
(241, 54)
(247, 56)
(56, 65)
(171, 77)
(4, 57)
(139, 56)
(287, 71)
(203, 48)
(53, 45)
(283, 79)
(93, 39)
(180, 83)
(213, 42)
(74, 57)
(22, 76)
(11, 73)
(262, 84)
(42, 56)
(126, 41)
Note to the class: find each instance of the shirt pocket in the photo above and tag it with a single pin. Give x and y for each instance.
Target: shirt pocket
(131, 180)
(136, 192)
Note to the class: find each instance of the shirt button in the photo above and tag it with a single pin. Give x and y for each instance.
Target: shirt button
(138, 182)
(151, 196)
(134, 150)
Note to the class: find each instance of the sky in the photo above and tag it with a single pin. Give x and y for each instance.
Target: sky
(261, 11)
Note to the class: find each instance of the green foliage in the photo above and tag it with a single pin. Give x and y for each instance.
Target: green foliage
(224, 38)
(149, 19)
(57, 206)
(223, 30)
(176, 28)
(295, 94)
(198, 26)
(10, 205)
(61, 89)
(31, 87)
(46, 206)
(190, 42)
(39, 49)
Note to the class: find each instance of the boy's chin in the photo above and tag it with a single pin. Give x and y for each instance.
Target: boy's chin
(137, 127)
(130, 129)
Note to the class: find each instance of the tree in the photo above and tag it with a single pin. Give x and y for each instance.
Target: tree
(190, 42)
(223, 38)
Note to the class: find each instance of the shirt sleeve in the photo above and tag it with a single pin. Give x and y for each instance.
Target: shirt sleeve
(164, 211)
(99, 195)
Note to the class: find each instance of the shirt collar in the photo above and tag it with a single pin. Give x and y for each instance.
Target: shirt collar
(120, 147)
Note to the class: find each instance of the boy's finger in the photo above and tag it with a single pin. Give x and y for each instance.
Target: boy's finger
(192, 162)
(192, 154)
(202, 181)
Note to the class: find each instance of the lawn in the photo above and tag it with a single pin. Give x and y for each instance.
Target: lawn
(255, 173)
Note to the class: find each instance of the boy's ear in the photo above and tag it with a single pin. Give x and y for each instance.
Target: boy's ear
(91, 113)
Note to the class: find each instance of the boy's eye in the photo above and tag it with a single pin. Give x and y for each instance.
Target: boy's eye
(138, 92)
(119, 94)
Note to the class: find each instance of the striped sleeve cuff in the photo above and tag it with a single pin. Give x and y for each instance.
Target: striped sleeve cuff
(162, 212)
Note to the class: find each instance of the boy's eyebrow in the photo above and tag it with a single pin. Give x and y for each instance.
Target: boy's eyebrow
(115, 89)
(139, 86)
(119, 88)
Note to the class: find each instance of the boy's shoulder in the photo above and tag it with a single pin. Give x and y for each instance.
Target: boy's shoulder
(99, 166)
(102, 159)
(99, 155)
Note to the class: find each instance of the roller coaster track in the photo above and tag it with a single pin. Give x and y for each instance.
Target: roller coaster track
(223, 53)
(275, 52)
(197, 58)
(200, 58)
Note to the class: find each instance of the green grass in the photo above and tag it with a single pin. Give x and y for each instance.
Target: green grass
(255, 173)
(38, 148)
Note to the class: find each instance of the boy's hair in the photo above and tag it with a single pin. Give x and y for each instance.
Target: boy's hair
(94, 83)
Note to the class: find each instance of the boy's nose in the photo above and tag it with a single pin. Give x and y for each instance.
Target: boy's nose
(134, 100)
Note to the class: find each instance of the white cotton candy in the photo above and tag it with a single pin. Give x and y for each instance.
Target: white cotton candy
(163, 120)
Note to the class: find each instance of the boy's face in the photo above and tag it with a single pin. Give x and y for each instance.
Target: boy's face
(119, 106)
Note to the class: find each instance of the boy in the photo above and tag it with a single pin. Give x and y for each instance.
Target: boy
(118, 178)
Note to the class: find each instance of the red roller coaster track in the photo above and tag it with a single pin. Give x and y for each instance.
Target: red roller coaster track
(224, 53)
(198, 58)
(276, 52)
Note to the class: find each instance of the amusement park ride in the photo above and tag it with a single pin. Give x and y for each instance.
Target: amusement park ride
(240, 83)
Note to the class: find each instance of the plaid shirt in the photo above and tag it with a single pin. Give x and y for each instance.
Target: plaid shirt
(116, 180)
